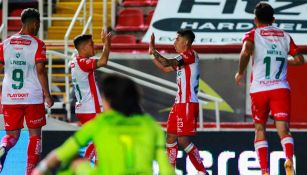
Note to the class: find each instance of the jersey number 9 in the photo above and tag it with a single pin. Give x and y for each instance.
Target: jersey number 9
(17, 77)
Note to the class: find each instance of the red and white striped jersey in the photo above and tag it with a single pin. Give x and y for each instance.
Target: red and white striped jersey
(187, 77)
(19, 54)
(270, 58)
(86, 90)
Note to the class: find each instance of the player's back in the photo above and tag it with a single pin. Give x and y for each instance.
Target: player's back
(20, 53)
(86, 90)
(126, 144)
(271, 49)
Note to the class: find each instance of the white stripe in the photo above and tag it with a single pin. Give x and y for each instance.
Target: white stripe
(169, 145)
(287, 140)
(261, 144)
(189, 148)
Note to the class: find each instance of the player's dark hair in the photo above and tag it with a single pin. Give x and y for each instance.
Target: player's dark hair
(29, 14)
(188, 34)
(122, 94)
(264, 13)
(81, 39)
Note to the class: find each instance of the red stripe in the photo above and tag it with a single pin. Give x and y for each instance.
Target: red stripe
(180, 91)
(1, 53)
(93, 89)
(187, 70)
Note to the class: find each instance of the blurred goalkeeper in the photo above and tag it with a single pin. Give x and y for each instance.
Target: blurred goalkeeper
(126, 140)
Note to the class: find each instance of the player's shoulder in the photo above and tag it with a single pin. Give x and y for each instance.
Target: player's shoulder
(39, 41)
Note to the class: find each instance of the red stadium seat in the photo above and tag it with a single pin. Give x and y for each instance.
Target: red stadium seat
(15, 24)
(130, 20)
(148, 19)
(0, 16)
(136, 3)
(154, 2)
(124, 39)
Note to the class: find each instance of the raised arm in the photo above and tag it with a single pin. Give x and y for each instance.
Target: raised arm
(103, 60)
(246, 52)
(164, 64)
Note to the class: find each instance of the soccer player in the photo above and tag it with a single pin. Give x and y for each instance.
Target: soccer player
(182, 119)
(25, 87)
(82, 70)
(127, 140)
(269, 47)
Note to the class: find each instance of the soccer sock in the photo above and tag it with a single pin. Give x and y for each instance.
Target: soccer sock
(261, 147)
(172, 150)
(34, 150)
(288, 146)
(195, 158)
(89, 152)
(8, 141)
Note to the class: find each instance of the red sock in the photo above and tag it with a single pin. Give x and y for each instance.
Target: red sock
(89, 152)
(172, 150)
(288, 146)
(8, 141)
(195, 158)
(261, 147)
(34, 150)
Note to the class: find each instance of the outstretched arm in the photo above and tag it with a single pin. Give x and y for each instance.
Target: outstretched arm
(164, 64)
(246, 52)
(103, 60)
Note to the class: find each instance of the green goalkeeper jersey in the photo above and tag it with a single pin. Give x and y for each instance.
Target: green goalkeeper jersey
(124, 145)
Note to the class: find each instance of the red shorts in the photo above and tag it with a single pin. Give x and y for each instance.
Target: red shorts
(83, 118)
(277, 101)
(14, 116)
(182, 119)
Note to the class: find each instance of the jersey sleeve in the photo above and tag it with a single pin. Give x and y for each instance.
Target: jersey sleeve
(87, 65)
(249, 36)
(186, 58)
(80, 139)
(1, 53)
(40, 55)
(293, 49)
(164, 166)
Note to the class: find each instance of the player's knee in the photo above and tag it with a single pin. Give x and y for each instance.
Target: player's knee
(184, 141)
(171, 138)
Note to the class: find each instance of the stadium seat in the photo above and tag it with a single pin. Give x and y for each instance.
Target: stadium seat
(154, 2)
(136, 3)
(15, 24)
(148, 19)
(130, 20)
(123, 39)
(0, 16)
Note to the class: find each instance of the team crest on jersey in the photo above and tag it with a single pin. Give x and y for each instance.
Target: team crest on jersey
(17, 55)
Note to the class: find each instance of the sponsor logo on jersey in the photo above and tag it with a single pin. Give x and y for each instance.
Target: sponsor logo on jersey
(269, 82)
(18, 95)
(272, 33)
(20, 41)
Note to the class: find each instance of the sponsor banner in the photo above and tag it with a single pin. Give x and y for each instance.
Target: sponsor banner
(222, 21)
(223, 153)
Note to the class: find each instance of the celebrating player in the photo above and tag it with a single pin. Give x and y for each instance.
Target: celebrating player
(82, 69)
(182, 119)
(269, 90)
(126, 139)
(25, 87)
